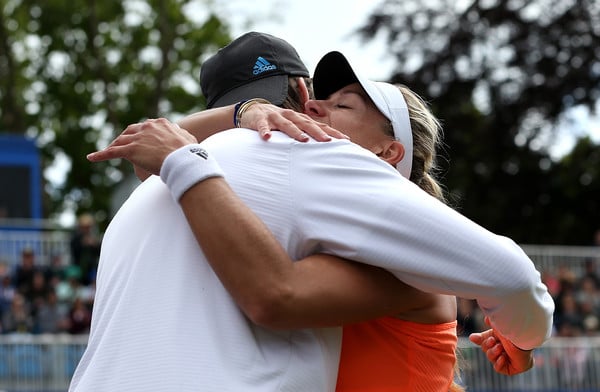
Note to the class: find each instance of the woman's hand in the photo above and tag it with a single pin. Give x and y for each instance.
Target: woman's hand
(266, 118)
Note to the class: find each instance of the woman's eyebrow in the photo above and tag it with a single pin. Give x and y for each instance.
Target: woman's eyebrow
(359, 93)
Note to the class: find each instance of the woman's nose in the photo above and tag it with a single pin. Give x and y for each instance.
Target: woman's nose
(315, 108)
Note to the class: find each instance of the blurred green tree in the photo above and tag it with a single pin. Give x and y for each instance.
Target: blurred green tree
(503, 76)
(74, 73)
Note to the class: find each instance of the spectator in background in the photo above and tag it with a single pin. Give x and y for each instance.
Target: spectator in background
(68, 288)
(18, 319)
(587, 292)
(50, 318)
(37, 291)
(589, 318)
(567, 277)
(7, 290)
(25, 271)
(551, 281)
(577, 297)
(85, 247)
(569, 321)
(591, 271)
(55, 269)
(567, 284)
(79, 318)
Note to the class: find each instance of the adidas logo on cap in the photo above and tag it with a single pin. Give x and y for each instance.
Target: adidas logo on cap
(262, 65)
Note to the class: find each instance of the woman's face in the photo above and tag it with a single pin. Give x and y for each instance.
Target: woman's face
(351, 111)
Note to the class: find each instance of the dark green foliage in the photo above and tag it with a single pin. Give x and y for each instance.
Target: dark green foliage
(500, 75)
(75, 73)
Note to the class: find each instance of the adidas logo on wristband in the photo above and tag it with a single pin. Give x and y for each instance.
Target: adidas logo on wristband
(200, 152)
(182, 170)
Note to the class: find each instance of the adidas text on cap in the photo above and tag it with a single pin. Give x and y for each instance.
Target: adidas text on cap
(334, 72)
(255, 65)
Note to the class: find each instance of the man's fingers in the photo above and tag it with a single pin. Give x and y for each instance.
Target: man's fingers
(500, 365)
(480, 337)
(476, 338)
(487, 321)
(503, 355)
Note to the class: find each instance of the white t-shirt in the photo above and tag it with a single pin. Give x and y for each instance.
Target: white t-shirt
(163, 321)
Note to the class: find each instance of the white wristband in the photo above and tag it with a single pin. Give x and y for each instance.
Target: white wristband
(187, 166)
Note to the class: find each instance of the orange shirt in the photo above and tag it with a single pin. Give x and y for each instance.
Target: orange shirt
(389, 354)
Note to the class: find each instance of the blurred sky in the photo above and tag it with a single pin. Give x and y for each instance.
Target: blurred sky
(313, 27)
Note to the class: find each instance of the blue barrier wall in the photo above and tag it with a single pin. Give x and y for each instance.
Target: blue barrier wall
(20, 178)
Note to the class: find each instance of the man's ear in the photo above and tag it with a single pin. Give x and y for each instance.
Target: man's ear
(303, 90)
(393, 152)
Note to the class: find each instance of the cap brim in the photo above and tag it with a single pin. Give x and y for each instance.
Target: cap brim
(332, 73)
(272, 88)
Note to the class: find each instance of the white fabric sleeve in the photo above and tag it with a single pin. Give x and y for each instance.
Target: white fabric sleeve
(186, 166)
(365, 211)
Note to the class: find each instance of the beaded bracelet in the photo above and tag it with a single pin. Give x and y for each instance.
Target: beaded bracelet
(242, 106)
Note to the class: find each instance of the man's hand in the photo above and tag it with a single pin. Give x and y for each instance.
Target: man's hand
(145, 144)
(507, 358)
(265, 118)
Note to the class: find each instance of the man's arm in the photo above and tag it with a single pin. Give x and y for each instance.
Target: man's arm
(273, 291)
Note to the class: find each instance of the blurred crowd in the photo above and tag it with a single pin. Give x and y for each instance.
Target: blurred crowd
(52, 298)
(58, 297)
(576, 296)
(576, 293)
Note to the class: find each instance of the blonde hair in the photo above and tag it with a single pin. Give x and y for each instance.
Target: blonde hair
(427, 136)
